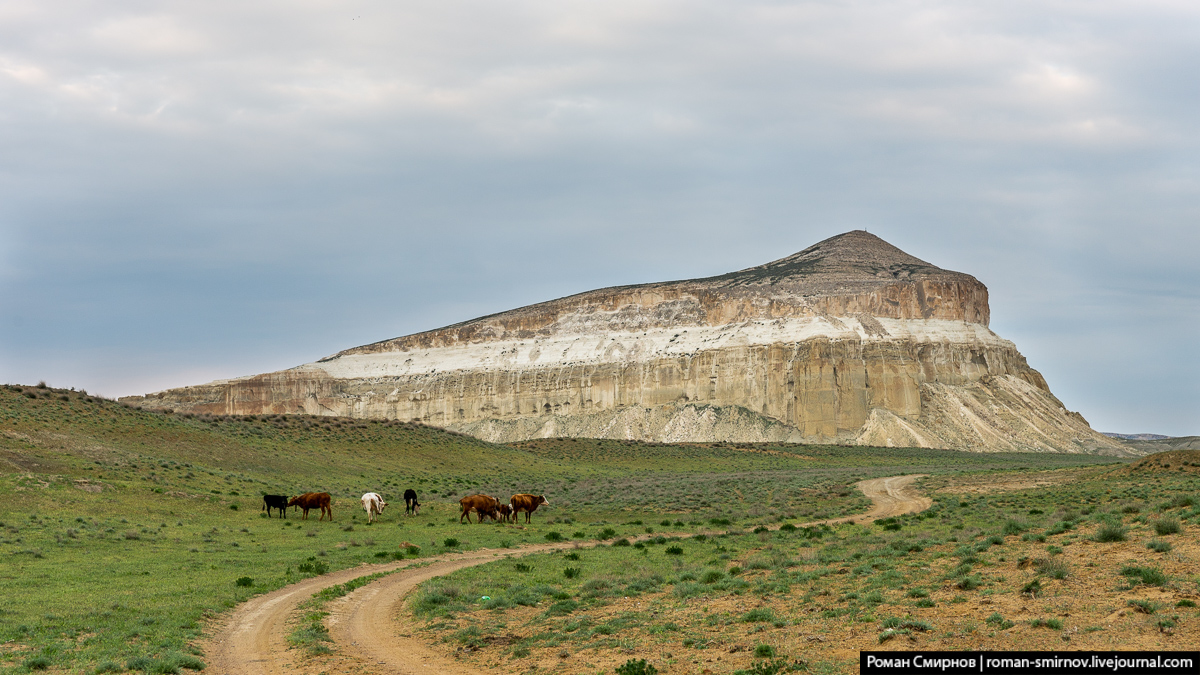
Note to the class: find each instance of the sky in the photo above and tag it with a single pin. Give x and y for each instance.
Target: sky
(200, 190)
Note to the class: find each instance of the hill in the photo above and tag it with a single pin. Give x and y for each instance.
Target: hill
(849, 341)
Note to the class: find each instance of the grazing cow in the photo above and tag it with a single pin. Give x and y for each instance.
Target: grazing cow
(373, 504)
(313, 500)
(484, 505)
(275, 502)
(505, 513)
(526, 503)
(411, 505)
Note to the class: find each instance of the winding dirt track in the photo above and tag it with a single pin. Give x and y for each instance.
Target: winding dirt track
(253, 638)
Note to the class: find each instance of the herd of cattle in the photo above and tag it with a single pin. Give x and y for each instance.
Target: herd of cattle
(484, 506)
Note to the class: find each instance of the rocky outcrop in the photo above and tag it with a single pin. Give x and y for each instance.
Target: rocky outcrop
(850, 340)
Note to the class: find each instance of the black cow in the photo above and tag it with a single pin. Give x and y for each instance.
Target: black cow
(275, 502)
(411, 505)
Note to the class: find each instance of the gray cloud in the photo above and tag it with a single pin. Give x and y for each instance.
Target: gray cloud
(201, 190)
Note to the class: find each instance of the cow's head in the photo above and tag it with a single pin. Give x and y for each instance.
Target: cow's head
(542, 500)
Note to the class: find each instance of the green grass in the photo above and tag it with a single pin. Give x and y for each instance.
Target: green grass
(129, 573)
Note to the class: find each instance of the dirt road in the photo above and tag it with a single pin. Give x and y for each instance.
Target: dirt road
(253, 638)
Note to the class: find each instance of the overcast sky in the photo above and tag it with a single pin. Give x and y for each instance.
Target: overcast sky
(199, 190)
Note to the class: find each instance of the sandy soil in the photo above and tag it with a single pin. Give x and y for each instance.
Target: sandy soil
(252, 640)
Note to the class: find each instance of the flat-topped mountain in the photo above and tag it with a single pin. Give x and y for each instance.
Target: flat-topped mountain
(850, 340)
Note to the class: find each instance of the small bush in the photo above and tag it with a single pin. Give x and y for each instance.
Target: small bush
(553, 536)
(621, 542)
(673, 550)
(918, 593)
(998, 622)
(1158, 545)
(764, 651)
(1144, 606)
(890, 633)
(1032, 588)
(37, 663)
(968, 583)
(233, 507)
(522, 567)
(570, 572)
(108, 667)
(1150, 576)
(734, 571)
(711, 576)
(1165, 526)
(1110, 532)
(1054, 624)
(760, 614)
(606, 533)
(1185, 603)
(244, 581)
(636, 667)
(925, 602)
(787, 527)
(450, 542)
(1051, 567)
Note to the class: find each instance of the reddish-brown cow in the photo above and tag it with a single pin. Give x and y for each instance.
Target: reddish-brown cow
(526, 503)
(505, 513)
(313, 500)
(483, 505)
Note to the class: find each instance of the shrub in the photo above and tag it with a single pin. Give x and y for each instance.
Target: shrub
(1032, 588)
(37, 663)
(1014, 527)
(711, 576)
(999, 622)
(1158, 546)
(244, 581)
(450, 542)
(1110, 532)
(787, 527)
(1055, 624)
(1165, 526)
(968, 583)
(1144, 606)
(562, 608)
(316, 568)
(1185, 603)
(233, 507)
(760, 614)
(764, 651)
(1151, 576)
(1051, 567)
(621, 542)
(918, 593)
(553, 536)
(606, 533)
(108, 667)
(571, 572)
(890, 633)
(522, 567)
(636, 667)
(673, 550)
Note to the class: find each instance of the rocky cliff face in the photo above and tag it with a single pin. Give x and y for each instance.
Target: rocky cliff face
(850, 340)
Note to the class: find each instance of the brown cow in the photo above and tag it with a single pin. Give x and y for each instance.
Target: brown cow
(313, 500)
(505, 513)
(526, 503)
(484, 505)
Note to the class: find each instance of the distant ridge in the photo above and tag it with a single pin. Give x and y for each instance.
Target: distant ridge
(1136, 437)
(850, 340)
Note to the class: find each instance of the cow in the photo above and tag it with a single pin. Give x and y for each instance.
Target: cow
(505, 512)
(373, 504)
(526, 503)
(275, 502)
(411, 505)
(484, 505)
(313, 500)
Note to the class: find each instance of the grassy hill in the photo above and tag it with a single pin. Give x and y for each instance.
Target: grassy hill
(124, 530)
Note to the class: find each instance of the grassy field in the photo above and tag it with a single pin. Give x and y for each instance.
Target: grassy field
(124, 530)
(1095, 558)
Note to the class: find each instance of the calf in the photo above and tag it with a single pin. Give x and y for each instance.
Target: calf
(411, 505)
(313, 500)
(373, 504)
(526, 503)
(505, 512)
(275, 502)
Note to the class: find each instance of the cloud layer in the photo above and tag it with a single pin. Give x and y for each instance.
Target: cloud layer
(201, 190)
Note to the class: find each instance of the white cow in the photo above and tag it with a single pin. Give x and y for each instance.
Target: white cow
(373, 504)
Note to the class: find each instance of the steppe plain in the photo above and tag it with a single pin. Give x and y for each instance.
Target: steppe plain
(129, 537)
